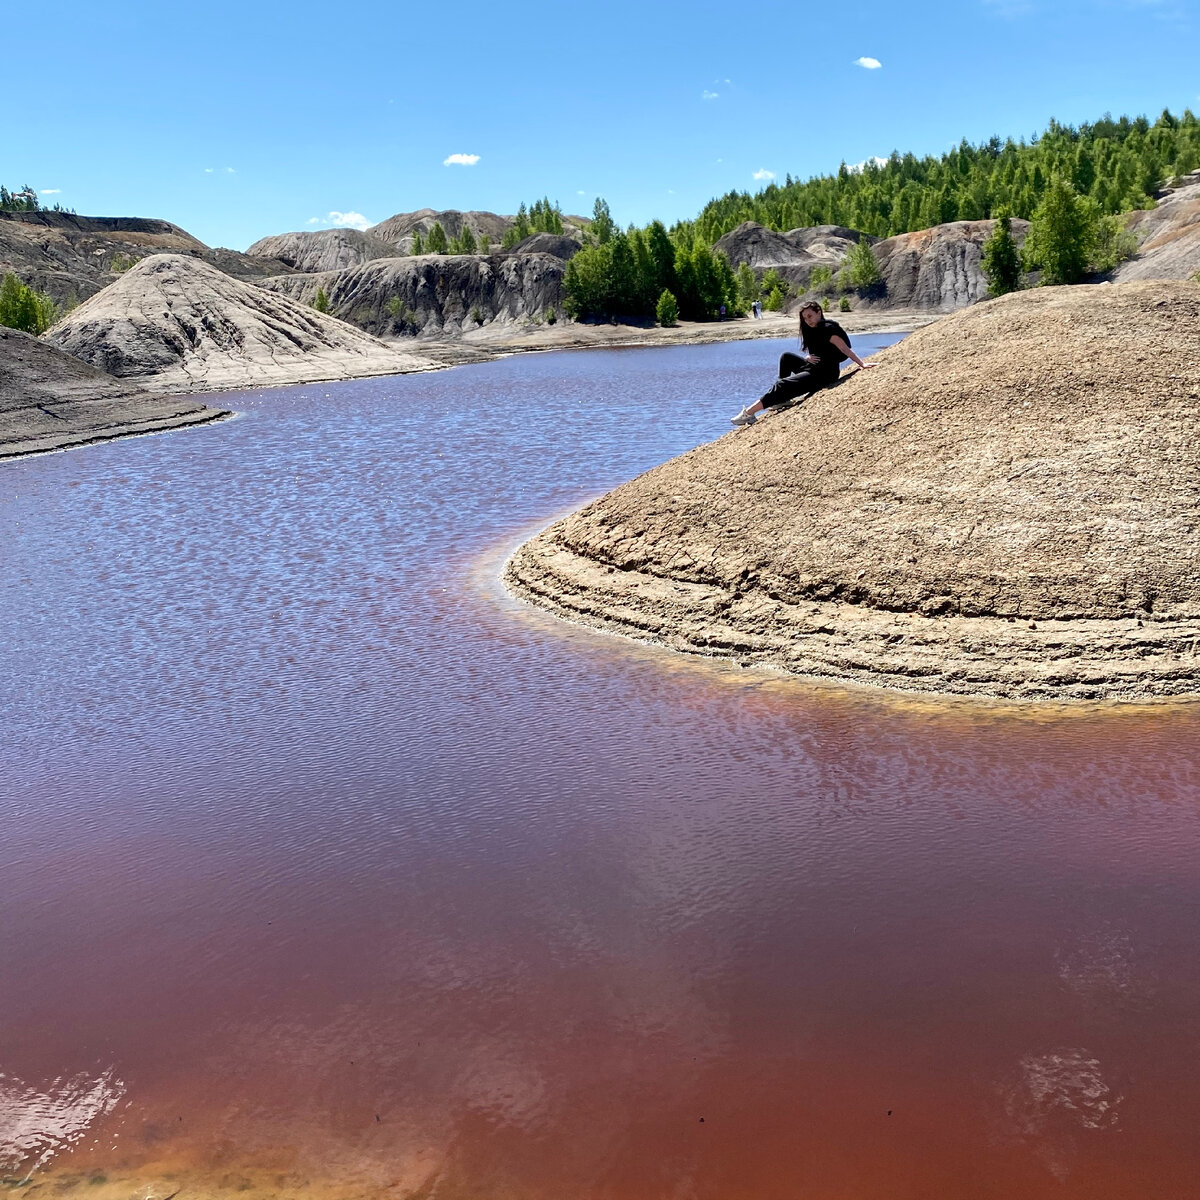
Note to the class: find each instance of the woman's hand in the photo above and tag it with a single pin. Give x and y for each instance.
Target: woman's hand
(867, 366)
(812, 359)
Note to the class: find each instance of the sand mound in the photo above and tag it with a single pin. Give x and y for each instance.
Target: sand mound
(1008, 505)
(49, 400)
(180, 325)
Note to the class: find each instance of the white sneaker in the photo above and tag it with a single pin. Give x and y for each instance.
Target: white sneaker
(745, 417)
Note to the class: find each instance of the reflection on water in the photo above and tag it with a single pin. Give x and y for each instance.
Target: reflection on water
(328, 868)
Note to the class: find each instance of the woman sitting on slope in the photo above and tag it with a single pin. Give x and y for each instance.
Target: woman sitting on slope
(826, 347)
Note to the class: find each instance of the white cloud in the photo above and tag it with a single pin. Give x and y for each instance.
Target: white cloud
(224, 171)
(869, 64)
(230, 171)
(862, 166)
(314, 220)
(51, 191)
(707, 95)
(460, 160)
(208, 170)
(348, 220)
(763, 173)
(581, 192)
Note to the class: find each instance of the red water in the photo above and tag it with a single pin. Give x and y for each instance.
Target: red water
(327, 869)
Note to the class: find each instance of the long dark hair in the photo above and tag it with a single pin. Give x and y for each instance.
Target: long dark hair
(804, 329)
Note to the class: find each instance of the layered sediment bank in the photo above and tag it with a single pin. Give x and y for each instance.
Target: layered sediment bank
(1008, 506)
(50, 400)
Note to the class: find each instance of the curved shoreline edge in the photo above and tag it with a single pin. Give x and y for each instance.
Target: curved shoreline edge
(83, 434)
(1134, 659)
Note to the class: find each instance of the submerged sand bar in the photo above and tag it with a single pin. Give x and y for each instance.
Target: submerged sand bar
(1008, 506)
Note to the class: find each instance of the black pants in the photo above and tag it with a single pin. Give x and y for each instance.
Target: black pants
(798, 378)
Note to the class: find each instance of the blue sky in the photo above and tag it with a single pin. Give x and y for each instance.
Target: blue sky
(236, 120)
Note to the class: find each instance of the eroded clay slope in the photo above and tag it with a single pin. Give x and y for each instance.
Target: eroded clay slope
(177, 324)
(1008, 505)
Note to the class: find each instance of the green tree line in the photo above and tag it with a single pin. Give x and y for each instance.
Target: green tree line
(25, 200)
(539, 217)
(626, 273)
(1117, 164)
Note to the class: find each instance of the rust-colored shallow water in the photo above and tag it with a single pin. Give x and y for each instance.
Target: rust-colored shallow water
(327, 870)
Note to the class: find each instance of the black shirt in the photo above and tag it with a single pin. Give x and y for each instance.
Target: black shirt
(816, 341)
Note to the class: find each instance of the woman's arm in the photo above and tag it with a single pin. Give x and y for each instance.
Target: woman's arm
(842, 348)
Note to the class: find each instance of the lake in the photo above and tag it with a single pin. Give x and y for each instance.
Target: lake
(330, 870)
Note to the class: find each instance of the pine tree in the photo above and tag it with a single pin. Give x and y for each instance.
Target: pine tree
(1001, 261)
(1061, 232)
(603, 226)
(862, 269)
(666, 311)
(417, 246)
(321, 301)
(437, 239)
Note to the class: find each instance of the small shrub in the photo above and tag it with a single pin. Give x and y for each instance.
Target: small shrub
(121, 263)
(1112, 243)
(773, 282)
(395, 307)
(551, 315)
(844, 304)
(321, 301)
(774, 300)
(477, 315)
(666, 311)
(23, 308)
(820, 277)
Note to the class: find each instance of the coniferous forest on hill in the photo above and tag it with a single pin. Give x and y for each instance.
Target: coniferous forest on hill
(1072, 183)
(1120, 164)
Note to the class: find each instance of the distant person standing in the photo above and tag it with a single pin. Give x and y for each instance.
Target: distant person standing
(826, 346)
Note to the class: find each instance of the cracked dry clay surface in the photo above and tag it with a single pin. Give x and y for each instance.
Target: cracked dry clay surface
(1007, 506)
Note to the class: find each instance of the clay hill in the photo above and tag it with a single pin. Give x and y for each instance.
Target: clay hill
(936, 270)
(434, 295)
(1007, 506)
(1169, 235)
(398, 230)
(177, 324)
(322, 249)
(50, 400)
(71, 257)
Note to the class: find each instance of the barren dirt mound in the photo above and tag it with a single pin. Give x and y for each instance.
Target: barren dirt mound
(180, 325)
(1008, 505)
(322, 249)
(50, 400)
